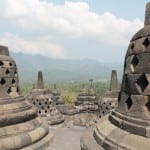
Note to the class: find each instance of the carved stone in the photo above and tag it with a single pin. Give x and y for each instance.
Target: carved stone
(128, 127)
(42, 101)
(87, 100)
(109, 101)
(56, 96)
(20, 127)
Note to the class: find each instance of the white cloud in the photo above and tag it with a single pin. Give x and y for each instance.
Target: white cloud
(71, 20)
(42, 46)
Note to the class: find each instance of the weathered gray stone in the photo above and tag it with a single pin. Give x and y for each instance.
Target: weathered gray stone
(43, 103)
(19, 125)
(87, 100)
(128, 127)
(40, 82)
(56, 97)
(137, 64)
(109, 101)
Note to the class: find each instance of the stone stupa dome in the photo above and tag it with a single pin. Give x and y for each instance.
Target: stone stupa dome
(128, 127)
(20, 127)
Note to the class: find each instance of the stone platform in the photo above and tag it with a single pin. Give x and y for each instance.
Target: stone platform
(107, 136)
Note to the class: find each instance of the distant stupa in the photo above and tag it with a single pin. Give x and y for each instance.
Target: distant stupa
(40, 81)
(56, 96)
(42, 100)
(87, 99)
(110, 99)
(114, 81)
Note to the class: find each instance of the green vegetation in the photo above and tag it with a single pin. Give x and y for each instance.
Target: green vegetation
(69, 90)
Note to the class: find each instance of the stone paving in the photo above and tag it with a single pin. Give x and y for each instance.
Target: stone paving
(67, 138)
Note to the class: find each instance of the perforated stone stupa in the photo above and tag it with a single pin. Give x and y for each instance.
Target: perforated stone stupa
(20, 127)
(44, 104)
(128, 127)
(110, 99)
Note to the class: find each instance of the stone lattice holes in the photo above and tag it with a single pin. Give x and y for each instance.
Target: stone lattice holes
(109, 101)
(41, 99)
(128, 126)
(20, 127)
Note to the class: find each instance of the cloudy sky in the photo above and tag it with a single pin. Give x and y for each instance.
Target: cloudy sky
(71, 29)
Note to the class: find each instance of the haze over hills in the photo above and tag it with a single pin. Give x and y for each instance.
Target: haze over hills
(63, 69)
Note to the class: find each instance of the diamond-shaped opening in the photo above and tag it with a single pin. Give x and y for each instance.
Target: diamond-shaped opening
(148, 105)
(13, 81)
(134, 63)
(15, 73)
(1, 63)
(9, 90)
(129, 103)
(146, 42)
(2, 81)
(142, 82)
(10, 64)
(119, 97)
(132, 46)
(18, 89)
(7, 72)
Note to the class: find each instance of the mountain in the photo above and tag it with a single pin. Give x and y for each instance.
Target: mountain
(62, 69)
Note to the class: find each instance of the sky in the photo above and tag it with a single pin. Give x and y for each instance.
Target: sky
(71, 29)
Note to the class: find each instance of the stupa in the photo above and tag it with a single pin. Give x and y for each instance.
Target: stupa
(56, 95)
(86, 105)
(39, 88)
(83, 95)
(128, 127)
(42, 100)
(87, 100)
(20, 127)
(110, 99)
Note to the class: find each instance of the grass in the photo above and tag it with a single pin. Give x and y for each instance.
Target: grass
(69, 90)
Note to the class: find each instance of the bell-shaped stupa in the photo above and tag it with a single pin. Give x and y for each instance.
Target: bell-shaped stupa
(20, 127)
(110, 99)
(87, 100)
(42, 100)
(128, 127)
(56, 96)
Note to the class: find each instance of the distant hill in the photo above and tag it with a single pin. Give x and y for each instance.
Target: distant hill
(62, 70)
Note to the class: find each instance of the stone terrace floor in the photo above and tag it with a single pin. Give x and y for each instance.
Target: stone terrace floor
(67, 138)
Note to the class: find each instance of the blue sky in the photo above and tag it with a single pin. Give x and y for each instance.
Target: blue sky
(74, 29)
(128, 9)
